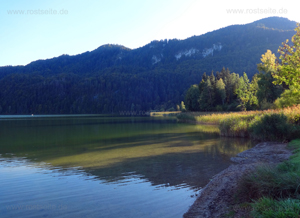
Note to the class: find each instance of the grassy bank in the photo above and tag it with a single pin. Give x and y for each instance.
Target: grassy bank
(278, 125)
(275, 191)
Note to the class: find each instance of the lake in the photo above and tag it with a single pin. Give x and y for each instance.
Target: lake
(100, 166)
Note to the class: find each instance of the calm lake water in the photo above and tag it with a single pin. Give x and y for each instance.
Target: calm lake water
(97, 166)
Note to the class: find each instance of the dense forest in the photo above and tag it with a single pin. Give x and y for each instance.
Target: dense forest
(277, 84)
(114, 78)
(223, 91)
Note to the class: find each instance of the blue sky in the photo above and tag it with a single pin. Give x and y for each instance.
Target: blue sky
(79, 26)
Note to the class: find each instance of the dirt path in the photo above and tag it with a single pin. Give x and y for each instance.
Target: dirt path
(218, 197)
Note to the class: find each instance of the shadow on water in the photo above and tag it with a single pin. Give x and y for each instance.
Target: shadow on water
(193, 169)
(159, 150)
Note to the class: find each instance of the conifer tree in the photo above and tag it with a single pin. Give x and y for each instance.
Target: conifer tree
(206, 100)
(220, 90)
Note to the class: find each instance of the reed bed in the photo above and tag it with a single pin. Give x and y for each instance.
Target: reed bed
(278, 125)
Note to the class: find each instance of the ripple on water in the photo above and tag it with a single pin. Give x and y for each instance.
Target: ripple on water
(39, 190)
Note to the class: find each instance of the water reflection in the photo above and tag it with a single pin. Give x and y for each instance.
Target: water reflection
(144, 154)
(192, 167)
(163, 151)
(30, 189)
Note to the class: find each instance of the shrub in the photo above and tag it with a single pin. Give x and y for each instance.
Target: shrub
(184, 116)
(288, 98)
(265, 105)
(271, 127)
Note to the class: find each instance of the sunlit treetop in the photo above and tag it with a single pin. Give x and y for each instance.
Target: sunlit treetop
(269, 59)
(288, 71)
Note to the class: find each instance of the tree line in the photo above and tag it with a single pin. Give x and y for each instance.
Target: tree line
(276, 85)
(114, 78)
(223, 91)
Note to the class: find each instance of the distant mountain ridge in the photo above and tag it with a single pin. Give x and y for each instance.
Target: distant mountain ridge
(154, 76)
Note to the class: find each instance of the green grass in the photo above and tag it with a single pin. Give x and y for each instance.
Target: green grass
(275, 189)
(295, 145)
(270, 208)
(275, 182)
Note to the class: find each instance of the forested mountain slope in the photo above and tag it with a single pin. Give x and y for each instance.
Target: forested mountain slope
(113, 78)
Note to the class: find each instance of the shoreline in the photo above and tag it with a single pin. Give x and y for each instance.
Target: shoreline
(218, 197)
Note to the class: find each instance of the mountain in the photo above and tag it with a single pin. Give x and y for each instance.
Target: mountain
(113, 78)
